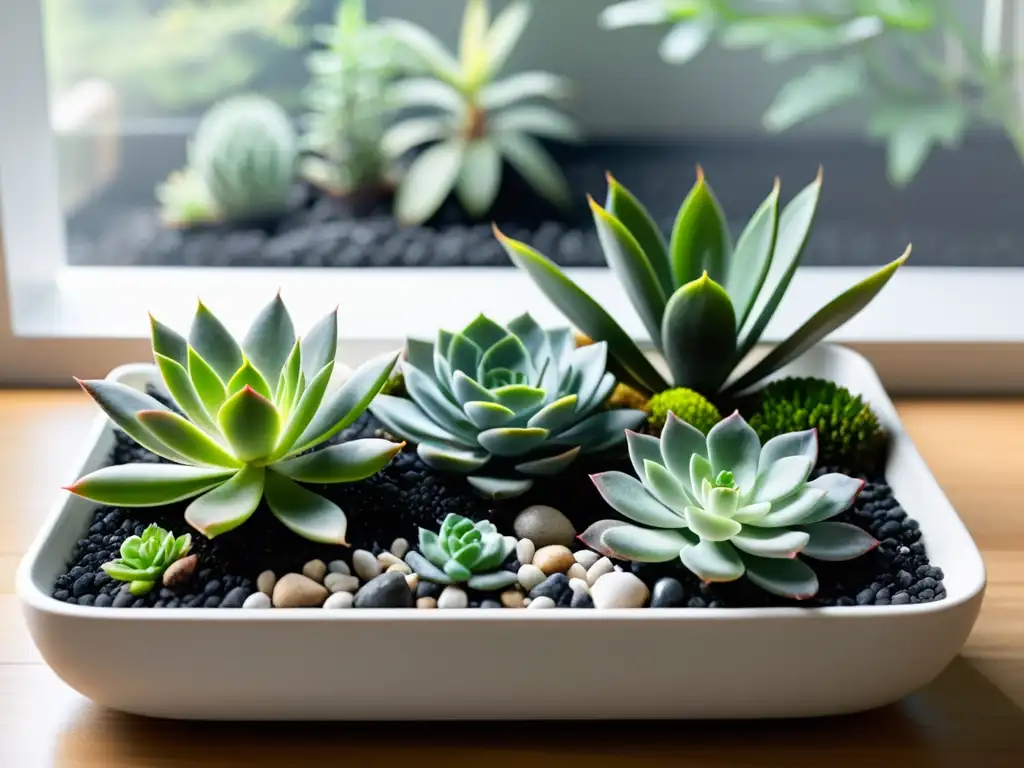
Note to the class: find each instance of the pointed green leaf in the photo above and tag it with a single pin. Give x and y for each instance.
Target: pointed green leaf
(680, 441)
(429, 181)
(303, 412)
(793, 510)
(840, 493)
(700, 238)
(787, 578)
(467, 389)
(288, 381)
(206, 383)
(555, 416)
(168, 342)
(621, 204)
(484, 332)
(121, 403)
(472, 54)
(586, 314)
(147, 485)
(229, 505)
(490, 582)
(499, 488)
(309, 515)
(770, 542)
(722, 502)
(407, 420)
(431, 400)
(431, 548)
(816, 90)
(427, 570)
(699, 335)
(512, 441)
(123, 572)
(701, 473)
(344, 463)
(522, 86)
(248, 376)
(186, 438)
(779, 480)
(425, 45)
(601, 431)
(451, 458)
(251, 424)
(488, 415)
(533, 337)
(713, 561)
(215, 345)
(643, 448)
(549, 465)
(520, 398)
(179, 385)
(753, 256)
(504, 33)
(733, 446)
(628, 497)
(711, 527)
(464, 355)
(752, 514)
(837, 541)
(270, 340)
(508, 353)
(411, 132)
(479, 177)
(666, 488)
(804, 443)
(645, 545)
(320, 345)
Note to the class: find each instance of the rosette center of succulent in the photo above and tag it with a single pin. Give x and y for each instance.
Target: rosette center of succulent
(725, 479)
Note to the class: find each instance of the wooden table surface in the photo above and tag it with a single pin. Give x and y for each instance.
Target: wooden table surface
(973, 714)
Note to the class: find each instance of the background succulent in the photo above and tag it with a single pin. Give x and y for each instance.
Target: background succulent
(347, 106)
(464, 551)
(144, 558)
(704, 301)
(849, 434)
(478, 121)
(185, 200)
(727, 507)
(508, 391)
(692, 407)
(252, 412)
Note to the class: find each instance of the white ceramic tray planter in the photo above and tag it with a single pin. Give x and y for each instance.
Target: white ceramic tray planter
(627, 663)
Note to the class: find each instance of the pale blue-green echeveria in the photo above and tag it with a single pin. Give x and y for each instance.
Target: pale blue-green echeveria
(464, 551)
(144, 558)
(704, 301)
(515, 391)
(250, 410)
(728, 507)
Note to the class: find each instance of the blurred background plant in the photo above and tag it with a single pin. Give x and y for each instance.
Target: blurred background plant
(924, 75)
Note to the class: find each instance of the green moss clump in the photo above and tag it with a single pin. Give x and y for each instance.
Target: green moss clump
(849, 434)
(690, 406)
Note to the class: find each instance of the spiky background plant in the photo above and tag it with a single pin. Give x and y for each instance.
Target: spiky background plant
(516, 391)
(464, 552)
(252, 412)
(704, 301)
(727, 507)
(347, 104)
(480, 121)
(144, 558)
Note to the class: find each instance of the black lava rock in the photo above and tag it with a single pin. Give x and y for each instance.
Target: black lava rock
(389, 590)
(668, 593)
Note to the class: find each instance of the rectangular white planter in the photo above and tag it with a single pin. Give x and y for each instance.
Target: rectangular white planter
(307, 664)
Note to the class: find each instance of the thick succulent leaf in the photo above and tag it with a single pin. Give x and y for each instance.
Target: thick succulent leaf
(752, 514)
(479, 178)
(533, 337)
(229, 505)
(711, 527)
(270, 340)
(215, 345)
(793, 228)
(179, 385)
(523, 86)
(466, 389)
(425, 45)
(562, 342)
(147, 485)
(770, 542)
(428, 570)
(498, 488)
(586, 314)
(549, 465)
(825, 320)
(405, 419)
(555, 416)
(303, 409)
(700, 237)
(535, 165)
(803, 443)
(701, 476)
(309, 515)
(488, 415)
(722, 502)
(779, 480)
(713, 561)
(604, 389)
(168, 342)
(628, 497)
(430, 546)
(680, 441)
(248, 376)
(344, 463)
(288, 382)
(184, 437)
(666, 488)
(505, 33)
(420, 355)
(429, 181)
(414, 131)
(840, 493)
(785, 577)
(464, 355)
(837, 541)
(121, 403)
(587, 365)
(472, 53)
(489, 582)
(451, 458)
(512, 441)
(426, 395)
(320, 345)
(646, 545)
(206, 383)
(348, 403)
(699, 335)
(643, 448)
(251, 424)
(621, 204)
(601, 430)
(484, 332)
(535, 120)
(457, 571)
(522, 399)
(467, 554)
(508, 353)
(733, 446)
(753, 256)
(794, 509)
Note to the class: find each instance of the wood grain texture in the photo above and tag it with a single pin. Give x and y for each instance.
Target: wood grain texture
(973, 714)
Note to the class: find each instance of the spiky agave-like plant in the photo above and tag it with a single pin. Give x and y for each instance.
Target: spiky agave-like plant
(704, 301)
(727, 507)
(481, 121)
(250, 410)
(516, 391)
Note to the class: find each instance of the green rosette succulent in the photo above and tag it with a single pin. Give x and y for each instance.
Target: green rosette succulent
(727, 507)
(704, 301)
(250, 414)
(144, 558)
(514, 392)
(692, 407)
(464, 552)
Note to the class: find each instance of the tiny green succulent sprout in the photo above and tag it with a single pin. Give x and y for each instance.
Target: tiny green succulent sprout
(478, 122)
(250, 414)
(464, 552)
(727, 507)
(515, 391)
(704, 301)
(144, 558)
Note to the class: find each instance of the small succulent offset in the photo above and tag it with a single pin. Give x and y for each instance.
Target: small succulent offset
(506, 391)
(144, 558)
(704, 301)
(252, 412)
(728, 507)
(464, 552)
(185, 200)
(481, 121)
